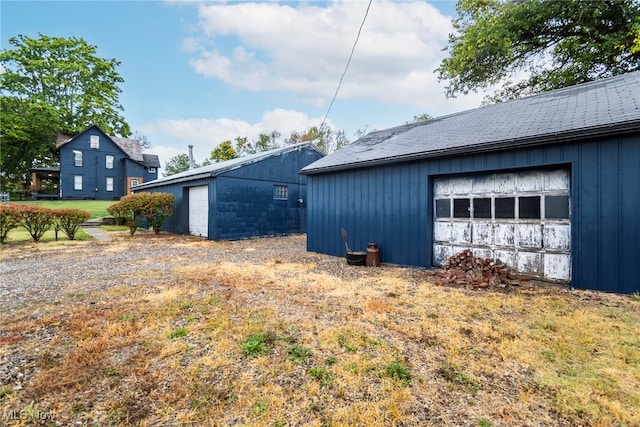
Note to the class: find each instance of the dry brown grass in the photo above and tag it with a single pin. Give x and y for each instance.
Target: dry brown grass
(170, 352)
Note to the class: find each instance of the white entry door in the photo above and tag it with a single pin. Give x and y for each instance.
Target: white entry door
(199, 211)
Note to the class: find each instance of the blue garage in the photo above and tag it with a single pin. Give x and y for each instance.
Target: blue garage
(257, 195)
(548, 184)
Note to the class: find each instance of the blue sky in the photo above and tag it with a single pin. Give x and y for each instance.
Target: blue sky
(204, 72)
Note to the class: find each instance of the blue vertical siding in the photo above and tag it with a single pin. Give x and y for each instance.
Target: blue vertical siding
(178, 222)
(392, 205)
(241, 200)
(93, 169)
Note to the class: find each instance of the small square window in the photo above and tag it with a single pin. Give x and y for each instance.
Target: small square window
(280, 192)
(529, 207)
(77, 158)
(462, 208)
(443, 208)
(135, 182)
(109, 183)
(556, 207)
(77, 182)
(109, 162)
(482, 208)
(94, 141)
(505, 207)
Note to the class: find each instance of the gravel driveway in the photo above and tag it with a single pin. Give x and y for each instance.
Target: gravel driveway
(52, 272)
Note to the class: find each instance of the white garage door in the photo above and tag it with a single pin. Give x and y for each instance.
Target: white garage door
(520, 218)
(199, 211)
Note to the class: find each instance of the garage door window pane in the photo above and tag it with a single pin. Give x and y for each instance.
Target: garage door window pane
(443, 208)
(461, 208)
(556, 207)
(505, 207)
(482, 208)
(529, 207)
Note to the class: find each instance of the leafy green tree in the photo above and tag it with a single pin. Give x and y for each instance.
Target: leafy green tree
(52, 84)
(243, 146)
(267, 141)
(177, 164)
(420, 118)
(27, 139)
(553, 43)
(322, 137)
(68, 75)
(224, 151)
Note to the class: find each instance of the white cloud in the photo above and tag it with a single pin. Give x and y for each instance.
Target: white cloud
(302, 48)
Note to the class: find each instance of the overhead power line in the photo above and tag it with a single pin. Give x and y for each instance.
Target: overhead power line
(335, 95)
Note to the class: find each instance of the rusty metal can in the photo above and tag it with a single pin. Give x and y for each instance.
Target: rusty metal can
(373, 255)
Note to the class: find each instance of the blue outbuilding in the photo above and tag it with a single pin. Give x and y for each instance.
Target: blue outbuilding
(548, 184)
(257, 195)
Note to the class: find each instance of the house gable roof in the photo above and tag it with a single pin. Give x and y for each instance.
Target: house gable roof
(151, 160)
(131, 147)
(219, 168)
(605, 106)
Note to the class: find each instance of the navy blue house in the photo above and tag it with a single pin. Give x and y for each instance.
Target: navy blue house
(96, 166)
(258, 195)
(548, 184)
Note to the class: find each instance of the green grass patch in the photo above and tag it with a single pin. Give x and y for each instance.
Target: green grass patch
(20, 234)
(97, 208)
(256, 345)
(299, 354)
(114, 227)
(455, 375)
(321, 375)
(398, 372)
(178, 333)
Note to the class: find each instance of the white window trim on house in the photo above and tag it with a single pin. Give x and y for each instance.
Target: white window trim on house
(152, 170)
(135, 182)
(77, 182)
(109, 183)
(94, 141)
(77, 158)
(108, 161)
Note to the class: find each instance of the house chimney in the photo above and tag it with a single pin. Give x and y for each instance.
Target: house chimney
(190, 156)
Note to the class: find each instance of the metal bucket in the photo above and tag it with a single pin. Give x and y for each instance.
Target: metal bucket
(356, 258)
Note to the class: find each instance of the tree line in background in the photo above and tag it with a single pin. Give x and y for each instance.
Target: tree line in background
(53, 84)
(327, 140)
(323, 137)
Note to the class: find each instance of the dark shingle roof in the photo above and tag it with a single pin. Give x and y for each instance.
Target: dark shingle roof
(216, 169)
(151, 160)
(601, 107)
(130, 146)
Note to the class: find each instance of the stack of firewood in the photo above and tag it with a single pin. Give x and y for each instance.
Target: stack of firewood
(464, 269)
